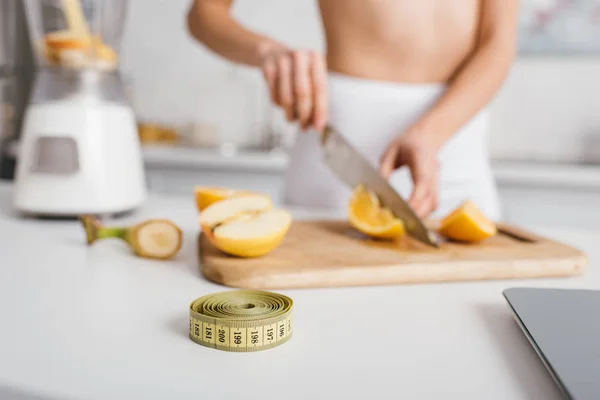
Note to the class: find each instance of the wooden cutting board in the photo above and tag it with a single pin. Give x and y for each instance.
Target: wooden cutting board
(331, 253)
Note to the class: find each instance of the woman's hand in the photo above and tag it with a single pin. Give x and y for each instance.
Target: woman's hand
(421, 159)
(297, 83)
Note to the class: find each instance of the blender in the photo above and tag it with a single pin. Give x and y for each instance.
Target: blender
(79, 151)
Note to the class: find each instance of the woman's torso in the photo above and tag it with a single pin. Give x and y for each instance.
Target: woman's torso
(399, 40)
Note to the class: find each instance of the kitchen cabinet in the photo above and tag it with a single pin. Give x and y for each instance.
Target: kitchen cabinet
(549, 194)
(553, 206)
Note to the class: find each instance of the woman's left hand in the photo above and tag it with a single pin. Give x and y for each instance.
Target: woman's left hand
(412, 151)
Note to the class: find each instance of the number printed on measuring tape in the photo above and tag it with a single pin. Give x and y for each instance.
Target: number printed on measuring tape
(281, 330)
(196, 326)
(270, 333)
(208, 332)
(255, 337)
(223, 335)
(238, 337)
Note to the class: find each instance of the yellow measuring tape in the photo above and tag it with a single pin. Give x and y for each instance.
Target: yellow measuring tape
(241, 320)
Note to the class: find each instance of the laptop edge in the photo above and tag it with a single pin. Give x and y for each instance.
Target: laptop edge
(538, 351)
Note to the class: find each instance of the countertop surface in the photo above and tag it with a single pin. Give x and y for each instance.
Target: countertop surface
(96, 322)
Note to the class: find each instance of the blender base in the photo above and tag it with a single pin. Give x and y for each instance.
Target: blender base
(79, 156)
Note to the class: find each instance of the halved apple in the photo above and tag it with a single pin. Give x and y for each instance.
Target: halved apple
(245, 225)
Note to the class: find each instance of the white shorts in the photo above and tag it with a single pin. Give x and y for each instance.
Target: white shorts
(370, 114)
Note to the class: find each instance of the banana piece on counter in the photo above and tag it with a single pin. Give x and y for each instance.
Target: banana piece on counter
(154, 238)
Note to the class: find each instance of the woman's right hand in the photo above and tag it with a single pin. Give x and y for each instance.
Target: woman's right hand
(297, 83)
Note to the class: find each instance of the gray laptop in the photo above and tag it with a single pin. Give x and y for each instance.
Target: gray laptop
(563, 326)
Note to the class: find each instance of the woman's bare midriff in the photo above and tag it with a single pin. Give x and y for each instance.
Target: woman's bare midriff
(413, 41)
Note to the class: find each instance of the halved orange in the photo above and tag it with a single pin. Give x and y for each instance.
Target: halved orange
(467, 224)
(368, 216)
(206, 195)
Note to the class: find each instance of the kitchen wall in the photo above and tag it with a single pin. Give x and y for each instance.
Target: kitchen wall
(549, 108)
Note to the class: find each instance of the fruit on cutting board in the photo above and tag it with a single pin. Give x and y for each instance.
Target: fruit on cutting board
(206, 195)
(154, 238)
(467, 224)
(368, 216)
(245, 225)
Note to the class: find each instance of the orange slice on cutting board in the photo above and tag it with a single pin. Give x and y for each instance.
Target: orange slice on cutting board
(368, 216)
(205, 196)
(467, 224)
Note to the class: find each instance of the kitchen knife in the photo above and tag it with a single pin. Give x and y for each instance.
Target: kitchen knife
(352, 168)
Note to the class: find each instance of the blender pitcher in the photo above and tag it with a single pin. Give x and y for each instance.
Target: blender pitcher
(76, 34)
(80, 150)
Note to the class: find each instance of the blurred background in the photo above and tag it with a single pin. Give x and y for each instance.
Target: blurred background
(204, 121)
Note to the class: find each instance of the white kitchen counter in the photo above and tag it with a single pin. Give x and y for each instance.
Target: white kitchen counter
(547, 174)
(99, 323)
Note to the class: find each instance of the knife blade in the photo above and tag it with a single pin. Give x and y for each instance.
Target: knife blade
(353, 169)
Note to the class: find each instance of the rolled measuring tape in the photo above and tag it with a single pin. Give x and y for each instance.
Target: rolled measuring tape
(241, 320)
